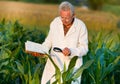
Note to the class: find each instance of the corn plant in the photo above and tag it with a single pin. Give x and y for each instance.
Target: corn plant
(68, 75)
(105, 52)
(16, 66)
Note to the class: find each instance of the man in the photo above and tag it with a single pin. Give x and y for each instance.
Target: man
(70, 35)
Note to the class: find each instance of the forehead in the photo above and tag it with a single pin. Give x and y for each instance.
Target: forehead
(65, 13)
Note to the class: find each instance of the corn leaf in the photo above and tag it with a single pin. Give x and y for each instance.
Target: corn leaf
(57, 70)
(20, 67)
(67, 75)
(80, 70)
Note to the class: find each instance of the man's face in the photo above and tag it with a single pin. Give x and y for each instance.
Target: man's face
(66, 17)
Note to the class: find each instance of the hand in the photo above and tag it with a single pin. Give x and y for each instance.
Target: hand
(35, 54)
(66, 51)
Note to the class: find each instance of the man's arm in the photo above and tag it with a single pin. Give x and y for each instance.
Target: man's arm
(82, 46)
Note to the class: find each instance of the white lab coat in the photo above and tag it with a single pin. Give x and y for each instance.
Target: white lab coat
(76, 40)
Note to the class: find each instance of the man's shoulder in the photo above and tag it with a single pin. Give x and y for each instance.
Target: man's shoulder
(56, 19)
(80, 24)
(55, 23)
(79, 21)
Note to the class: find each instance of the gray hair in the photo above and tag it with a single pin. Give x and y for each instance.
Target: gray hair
(66, 6)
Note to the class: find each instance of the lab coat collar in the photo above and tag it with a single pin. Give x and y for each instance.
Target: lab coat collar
(71, 30)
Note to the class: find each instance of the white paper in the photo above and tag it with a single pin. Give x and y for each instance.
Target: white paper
(35, 47)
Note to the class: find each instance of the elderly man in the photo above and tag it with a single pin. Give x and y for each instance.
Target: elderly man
(70, 35)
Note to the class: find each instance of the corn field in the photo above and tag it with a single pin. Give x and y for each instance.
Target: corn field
(17, 67)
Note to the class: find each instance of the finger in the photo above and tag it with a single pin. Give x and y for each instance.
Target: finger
(66, 51)
(33, 54)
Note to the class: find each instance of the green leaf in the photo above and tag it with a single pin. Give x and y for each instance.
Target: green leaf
(67, 75)
(55, 82)
(57, 70)
(80, 70)
(64, 69)
(35, 79)
(93, 77)
(20, 67)
(110, 67)
(48, 82)
(72, 62)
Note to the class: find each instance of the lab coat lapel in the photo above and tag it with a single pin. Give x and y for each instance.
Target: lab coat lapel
(61, 31)
(71, 30)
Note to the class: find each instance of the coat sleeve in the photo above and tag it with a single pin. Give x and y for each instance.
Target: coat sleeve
(48, 41)
(82, 44)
